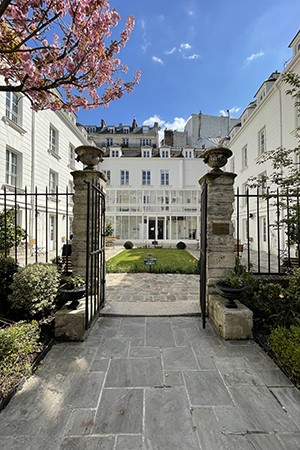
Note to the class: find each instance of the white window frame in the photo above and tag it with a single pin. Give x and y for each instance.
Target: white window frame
(188, 153)
(165, 153)
(125, 141)
(109, 142)
(53, 181)
(146, 177)
(13, 162)
(245, 157)
(72, 156)
(114, 153)
(53, 141)
(165, 177)
(145, 142)
(124, 177)
(13, 107)
(146, 153)
(262, 141)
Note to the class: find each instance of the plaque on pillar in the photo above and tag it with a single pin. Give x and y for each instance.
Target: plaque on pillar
(220, 228)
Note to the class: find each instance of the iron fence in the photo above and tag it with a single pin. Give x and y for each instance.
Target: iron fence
(267, 230)
(34, 226)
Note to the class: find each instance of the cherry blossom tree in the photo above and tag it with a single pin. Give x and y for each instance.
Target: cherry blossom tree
(58, 53)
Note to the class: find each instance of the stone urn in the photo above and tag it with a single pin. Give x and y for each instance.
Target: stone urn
(216, 158)
(89, 156)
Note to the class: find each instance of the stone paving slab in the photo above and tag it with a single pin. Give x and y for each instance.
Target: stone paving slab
(145, 383)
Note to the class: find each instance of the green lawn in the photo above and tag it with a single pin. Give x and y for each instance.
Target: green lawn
(168, 261)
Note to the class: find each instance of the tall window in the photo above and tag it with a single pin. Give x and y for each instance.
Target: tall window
(13, 107)
(146, 177)
(71, 156)
(109, 142)
(107, 175)
(261, 141)
(262, 178)
(244, 157)
(53, 140)
(164, 177)
(53, 181)
(125, 141)
(11, 175)
(146, 154)
(124, 177)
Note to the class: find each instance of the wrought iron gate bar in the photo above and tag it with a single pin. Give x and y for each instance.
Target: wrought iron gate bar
(203, 245)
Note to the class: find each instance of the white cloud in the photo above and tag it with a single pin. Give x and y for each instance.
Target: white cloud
(157, 59)
(232, 111)
(186, 46)
(170, 52)
(161, 18)
(177, 124)
(254, 56)
(194, 56)
(191, 12)
(145, 40)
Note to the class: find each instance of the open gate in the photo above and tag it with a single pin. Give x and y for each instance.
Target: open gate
(203, 245)
(95, 252)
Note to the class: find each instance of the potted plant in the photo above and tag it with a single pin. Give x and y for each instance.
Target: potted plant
(73, 290)
(231, 287)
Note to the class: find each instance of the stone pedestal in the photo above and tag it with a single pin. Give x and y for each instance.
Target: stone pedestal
(70, 323)
(230, 323)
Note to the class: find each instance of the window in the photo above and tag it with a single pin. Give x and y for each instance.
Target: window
(125, 141)
(114, 153)
(107, 175)
(111, 130)
(262, 179)
(109, 142)
(124, 177)
(146, 177)
(188, 153)
(164, 154)
(13, 107)
(244, 157)
(72, 156)
(261, 141)
(144, 142)
(12, 175)
(146, 154)
(164, 177)
(53, 140)
(53, 181)
(126, 131)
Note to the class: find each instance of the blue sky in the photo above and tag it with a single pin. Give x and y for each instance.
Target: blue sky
(198, 55)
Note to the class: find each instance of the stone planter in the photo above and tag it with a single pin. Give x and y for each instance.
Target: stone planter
(72, 295)
(230, 293)
(89, 156)
(216, 158)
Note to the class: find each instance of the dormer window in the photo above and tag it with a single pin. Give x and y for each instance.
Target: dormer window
(165, 153)
(147, 153)
(126, 130)
(145, 129)
(111, 130)
(115, 153)
(188, 153)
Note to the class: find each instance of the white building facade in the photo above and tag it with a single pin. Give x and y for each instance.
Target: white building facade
(37, 153)
(268, 123)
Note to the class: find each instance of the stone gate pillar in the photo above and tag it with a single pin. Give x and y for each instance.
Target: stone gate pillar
(220, 259)
(80, 199)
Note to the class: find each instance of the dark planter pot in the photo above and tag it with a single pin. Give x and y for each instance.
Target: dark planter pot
(230, 293)
(72, 295)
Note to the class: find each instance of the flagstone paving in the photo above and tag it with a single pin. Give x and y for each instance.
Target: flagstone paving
(159, 383)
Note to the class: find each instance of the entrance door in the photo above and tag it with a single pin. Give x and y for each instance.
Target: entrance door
(151, 229)
(160, 228)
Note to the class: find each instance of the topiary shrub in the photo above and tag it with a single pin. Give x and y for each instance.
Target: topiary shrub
(34, 289)
(181, 245)
(128, 245)
(285, 344)
(8, 267)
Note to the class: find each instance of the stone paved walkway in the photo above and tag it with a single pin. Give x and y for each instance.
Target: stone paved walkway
(141, 383)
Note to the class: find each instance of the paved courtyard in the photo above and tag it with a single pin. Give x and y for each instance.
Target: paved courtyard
(163, 383)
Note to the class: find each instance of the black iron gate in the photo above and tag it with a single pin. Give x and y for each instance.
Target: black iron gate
(203, 244)
(95, 252)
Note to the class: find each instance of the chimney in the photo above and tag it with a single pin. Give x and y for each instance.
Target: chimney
(103, 125)
(134, 124)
